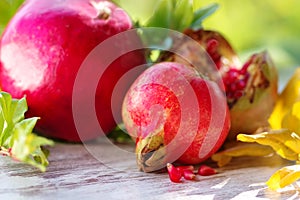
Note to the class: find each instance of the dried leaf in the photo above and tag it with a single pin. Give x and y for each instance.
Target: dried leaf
(289, 96)
(284, 142)
(224, 157)
(284, 177)
(291, 120)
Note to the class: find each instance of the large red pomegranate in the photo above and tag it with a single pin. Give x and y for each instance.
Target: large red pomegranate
(175, 114)
(42, 50)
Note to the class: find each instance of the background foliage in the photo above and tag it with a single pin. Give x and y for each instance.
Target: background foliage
(7, 10)
(249, 25)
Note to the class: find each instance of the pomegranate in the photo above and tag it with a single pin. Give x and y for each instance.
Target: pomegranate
(42, 50)
(175, 114)
(251, 88)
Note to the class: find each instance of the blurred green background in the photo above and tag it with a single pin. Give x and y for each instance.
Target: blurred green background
(249, 25)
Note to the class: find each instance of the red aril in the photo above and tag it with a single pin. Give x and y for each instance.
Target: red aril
(188, 175)
(174, 174)
(205, 170)
(185, 168)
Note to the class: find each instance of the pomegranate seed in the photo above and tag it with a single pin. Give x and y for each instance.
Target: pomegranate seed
(205, 170)
(181, 169)
(246, 77)
(212, 49)
(215, 56)
(244, 70)
(241, 85)
(238, 94)
(234, 70)
(233, 87)
(188, 174)
(174, 173)
(218, 63)
(230, 95)
(232, 76)
(212, 46)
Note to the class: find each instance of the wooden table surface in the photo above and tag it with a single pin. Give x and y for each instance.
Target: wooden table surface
(76, 173)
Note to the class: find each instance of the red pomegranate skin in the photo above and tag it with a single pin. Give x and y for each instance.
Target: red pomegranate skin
(160, 103)
(42, 50)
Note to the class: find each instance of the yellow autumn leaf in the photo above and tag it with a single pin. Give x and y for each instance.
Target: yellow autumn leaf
(284, 142)
(285, 101)
(224, 157)
(284, 177)
(291, 120)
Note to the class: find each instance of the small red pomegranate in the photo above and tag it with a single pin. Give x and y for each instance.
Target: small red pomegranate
(175, 114)
(251, 88)
(42, 50)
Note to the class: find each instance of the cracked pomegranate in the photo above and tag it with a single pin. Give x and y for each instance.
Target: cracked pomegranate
(42, 50)
(175, 114)
(251, 88)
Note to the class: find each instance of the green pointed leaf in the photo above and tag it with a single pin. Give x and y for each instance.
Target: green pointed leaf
(5, 117)
(202, 14)
(19, 107)
(16, 137)
(162, 15)
(182, 15)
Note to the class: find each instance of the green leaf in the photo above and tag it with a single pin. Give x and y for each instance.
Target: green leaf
(16, 137)
(162, 16)
(5, 117)
(201, 14)
(19, 107)
(182, 15)
(179, 15)
(27, 146)
(119, 136)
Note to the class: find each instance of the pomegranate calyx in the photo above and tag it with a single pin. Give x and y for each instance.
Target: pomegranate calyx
(150, 152)
(103, 11)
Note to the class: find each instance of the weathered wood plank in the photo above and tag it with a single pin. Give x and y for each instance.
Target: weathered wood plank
(75, 174)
